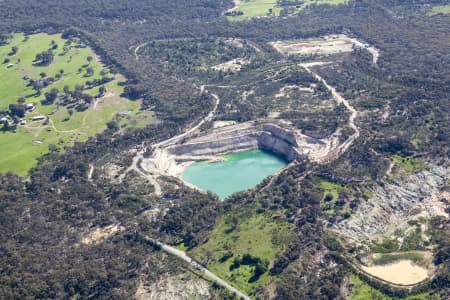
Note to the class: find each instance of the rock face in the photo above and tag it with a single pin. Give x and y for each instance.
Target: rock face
(242, 137)
(396, 202)
(274, 136)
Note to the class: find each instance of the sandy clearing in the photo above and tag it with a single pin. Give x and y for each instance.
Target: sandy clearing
(218, 124)
(325, 45)
(100, 234)
(233, 65)
(320, 46)
(401, 272)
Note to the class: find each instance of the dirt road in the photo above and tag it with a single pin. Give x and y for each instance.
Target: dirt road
(182, 255)
(340, 100)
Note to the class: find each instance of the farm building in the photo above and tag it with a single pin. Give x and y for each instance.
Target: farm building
(37, 118)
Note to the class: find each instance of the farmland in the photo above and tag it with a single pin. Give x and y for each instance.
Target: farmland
(245, 10)
(74, 68)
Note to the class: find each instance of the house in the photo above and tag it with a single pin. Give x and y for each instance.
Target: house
(125, 112)
(10, 65)
(37, 118)
(23, 122)
(3, 120)
(29, 106)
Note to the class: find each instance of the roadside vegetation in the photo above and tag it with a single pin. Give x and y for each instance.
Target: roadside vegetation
(242, 246)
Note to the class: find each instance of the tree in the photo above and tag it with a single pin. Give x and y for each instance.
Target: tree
(51, 96)
(89, 59)
(101, 91)
(113, 125)
(328, 197)
(14, 51)
(44, 58)
(87, 98)
(17, 110)
(66, 89)
(21, 100)
(89, 71)
(42, 74)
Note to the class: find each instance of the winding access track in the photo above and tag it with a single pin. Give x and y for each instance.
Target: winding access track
(339, 100)
(135, 165)
(206, 119)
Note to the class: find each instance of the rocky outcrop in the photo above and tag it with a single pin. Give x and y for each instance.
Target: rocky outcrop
(397, 201)
(275, 136)
(242, 137)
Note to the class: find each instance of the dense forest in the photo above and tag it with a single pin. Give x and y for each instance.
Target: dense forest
(44, 217)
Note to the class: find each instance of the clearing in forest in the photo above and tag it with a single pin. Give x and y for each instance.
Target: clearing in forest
(54, 92)
(246, 9)
(400, 272)
(327, 45)
(241, 248)
(439, 9)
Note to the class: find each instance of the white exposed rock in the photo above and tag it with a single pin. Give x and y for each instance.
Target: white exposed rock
(276, 137)
(173, 288)
(396, 202)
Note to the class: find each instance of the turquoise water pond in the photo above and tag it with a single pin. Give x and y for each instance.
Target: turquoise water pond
(237, 172)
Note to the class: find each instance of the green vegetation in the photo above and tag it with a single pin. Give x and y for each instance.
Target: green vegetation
(360, 290)
(196, 56)
(439, 9)
(387, 258)
(26, 79)
(253, 8)
(409, 164)
(258, 8)
(412, 241)
(240, 249)
(331, 188)
(332, 203)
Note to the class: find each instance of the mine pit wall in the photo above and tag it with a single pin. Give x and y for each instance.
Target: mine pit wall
(242, 137)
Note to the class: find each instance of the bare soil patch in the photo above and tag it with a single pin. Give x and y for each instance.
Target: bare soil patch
(326, 45)
(218, 124)
(233, 65)
(401, 272)
(100, 234)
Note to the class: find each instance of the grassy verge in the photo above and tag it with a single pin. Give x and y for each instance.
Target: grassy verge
(360, 290)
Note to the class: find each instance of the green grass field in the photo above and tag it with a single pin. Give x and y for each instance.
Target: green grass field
(409, 164)
(439, 9)
(257, 235)
(260, 8)
(20, 149)
(362, 291)
(331, 188)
